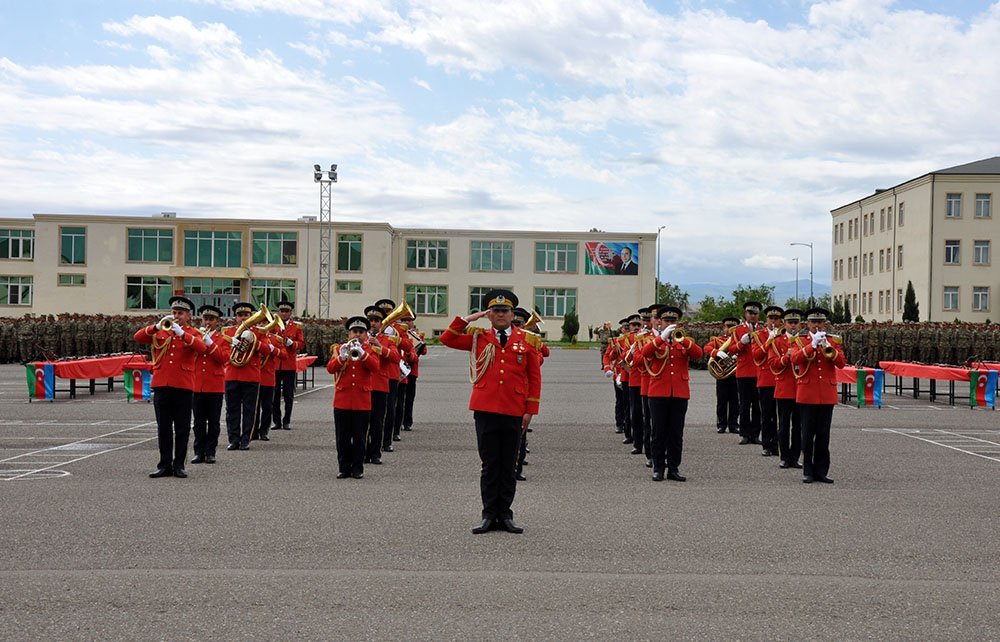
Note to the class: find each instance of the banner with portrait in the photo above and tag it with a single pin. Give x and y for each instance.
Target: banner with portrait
(609, 257)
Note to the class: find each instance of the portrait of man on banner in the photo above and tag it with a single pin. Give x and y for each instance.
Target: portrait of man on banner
(608, 257)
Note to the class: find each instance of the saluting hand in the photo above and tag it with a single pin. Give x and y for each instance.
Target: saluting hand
(525, 422)
(475, 316)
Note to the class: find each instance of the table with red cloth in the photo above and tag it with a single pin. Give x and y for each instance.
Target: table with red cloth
(933, 374)
(847, 377)
(93, 368)
(303, 373)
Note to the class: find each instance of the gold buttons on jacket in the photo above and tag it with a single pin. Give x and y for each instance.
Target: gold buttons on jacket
(501, 382)
(501, 371)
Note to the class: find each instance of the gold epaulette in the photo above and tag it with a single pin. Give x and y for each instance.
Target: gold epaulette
(533, 340)
(297, 322)
(474, 329)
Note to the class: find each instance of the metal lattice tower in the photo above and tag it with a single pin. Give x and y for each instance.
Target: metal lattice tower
(326, 181)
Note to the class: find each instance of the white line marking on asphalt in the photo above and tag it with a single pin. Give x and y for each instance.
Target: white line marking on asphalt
(301, 394)
(937, 443)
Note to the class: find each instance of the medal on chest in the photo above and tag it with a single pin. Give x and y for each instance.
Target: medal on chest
(518, 349)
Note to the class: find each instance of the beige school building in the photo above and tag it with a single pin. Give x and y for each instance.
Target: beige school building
(54, 263)
(936, 231)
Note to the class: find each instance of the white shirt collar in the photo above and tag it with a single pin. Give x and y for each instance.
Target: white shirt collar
(499, 331)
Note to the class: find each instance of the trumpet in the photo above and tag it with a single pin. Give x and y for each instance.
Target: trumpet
(355, 351)
(166, 323)
(827, 346)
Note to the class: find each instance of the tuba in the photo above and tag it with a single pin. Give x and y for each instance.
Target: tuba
(723, 368)
(401, 311)
(244, 349)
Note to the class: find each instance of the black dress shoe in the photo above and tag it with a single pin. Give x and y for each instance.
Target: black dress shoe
(375, 462)
(397, 438)
(520, 477)
(527, 451)
(233, 447)
(388, 449)
(265, 438)
(755, 441)
(794, 464)
(767, 453)
(407, 428)
(721, 431)
(745, 441)
(627, 440)
(209, 459)
(824, 479)
(657, 475)
(619, 431)
(509, 526)
(525, 463)
(676, 477)
(179, 472)
(649, 463)
(734, 430)
(161, 472)
(244, 446)
(200, 459)
(637, 451)
(286, 427)
(784, 464)
(255, 438)
(488, 524)
(357, 475)
(807, 479)
(343, 475)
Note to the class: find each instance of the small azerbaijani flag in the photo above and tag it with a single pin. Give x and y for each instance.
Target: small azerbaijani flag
(41, 380)
(982, 388)
(137, 384)
(869, 387)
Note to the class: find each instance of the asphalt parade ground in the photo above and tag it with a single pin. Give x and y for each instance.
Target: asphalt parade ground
(266, 544)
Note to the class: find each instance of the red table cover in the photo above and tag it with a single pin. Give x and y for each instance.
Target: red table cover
(924, 371)
(96, 368)
(303, 361)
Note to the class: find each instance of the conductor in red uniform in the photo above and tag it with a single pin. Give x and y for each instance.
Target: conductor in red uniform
(210, 384)
(506, 390)
(816, 362)
(353, 365)
(175, 348)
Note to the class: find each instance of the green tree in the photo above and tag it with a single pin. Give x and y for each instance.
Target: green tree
(911, 309)
(822, 302)
(714, 309)
(838, 311)
(763, 294)
(667, 292)
(570, 326)
(847, 310)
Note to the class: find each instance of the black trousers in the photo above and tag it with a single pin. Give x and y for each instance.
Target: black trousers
(389, 422)
(638, 423)
(621, 407)
(397, 416)
(241, 404)
(411, 394)
(627, 409)
(668, 432)
(816, 420)
(727, 404)
(173, 425)
(522, 452)
(647, 435)
(284, 389)
(376, 421)
(207, 416)
(789, 430)
(262, 414)
(497, 437)
(749, 408)
(768, 419)
(350, 427)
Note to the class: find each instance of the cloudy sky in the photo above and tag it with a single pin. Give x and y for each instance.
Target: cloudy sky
(737, 125)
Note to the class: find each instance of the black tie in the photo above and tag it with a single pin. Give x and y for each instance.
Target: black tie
(502, 335)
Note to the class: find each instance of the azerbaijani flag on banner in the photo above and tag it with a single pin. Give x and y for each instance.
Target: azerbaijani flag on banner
(869, 387)
(137, 384)
(41, 380)
(982, 388)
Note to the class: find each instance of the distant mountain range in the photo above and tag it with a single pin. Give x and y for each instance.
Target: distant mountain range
(783, 290)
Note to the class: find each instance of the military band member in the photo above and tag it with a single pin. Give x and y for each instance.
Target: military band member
(666, 357)
(612, 369)
(652, 327)
(727, 395)
(352, 364)
(408, 356)
(382, 347)
(746, 374)
(816, 362)
(284, 376)
(175, 348)
(402, 347)
(521, 318)
(506, 390)
(637, 330)
(272, 350)
(210, 384)
(789, 427)
(419, 350)
(765, 380)
(242, 378)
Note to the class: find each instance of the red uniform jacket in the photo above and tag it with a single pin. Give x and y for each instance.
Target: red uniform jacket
(759, 353)
(402, 350)
(251, 371)
(819, 383)
(635, 372)
(269, 360)
(415, 366)
(293, 331)
(173, 356)
(668, 363)
(512, 381)
(745, 366)
(780, 365)
(210, 369)
(353, 379)
(380, 383)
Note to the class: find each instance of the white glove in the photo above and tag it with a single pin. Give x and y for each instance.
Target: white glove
(722, 354)
(208, 340)
(608, 373)
(389, 331)
(745, 339)
(270, 347)
(344, 351)
(618, 380)
(178, 330)
(816, 339)
(289, 342)
(773, 332)
(668, 332)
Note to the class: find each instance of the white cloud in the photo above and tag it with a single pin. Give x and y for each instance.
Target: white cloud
(767, 262)
(313, 52)
(178, 32)
(423, 84)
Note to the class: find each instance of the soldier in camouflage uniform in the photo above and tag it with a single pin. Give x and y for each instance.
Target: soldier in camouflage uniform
(929, 343)
(907, 335)
(82, 338)
(963, 343)
(7, 341)
(603, 335)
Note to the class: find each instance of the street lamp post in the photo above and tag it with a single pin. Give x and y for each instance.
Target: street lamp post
(796, 259)
(812, 301)
(326, 181)
(656, 295)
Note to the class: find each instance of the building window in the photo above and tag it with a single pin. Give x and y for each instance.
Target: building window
(850, 230)
(428, 299)
(888, 222)
(213, 249)
(981, 252)
(555, 257)
(881, 260)
(270, 291)
(952, 252)
(881, 222)
(16, 290)
(899, 298)
(899, 257)
(980, 299)
(17, 244)
(348, 286)
(899, 213)
(72, 279)
(983, 206)
(212, 287)
(881, 302)
(951, 297)
(349, 252)
(150, 246)
(492, 256)
(854, 305)
(427, 255)
(275, 248)
(871, 261)
(953, 205)
(888, 258)
(555, 302)
(72, 245)
(148, 292)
